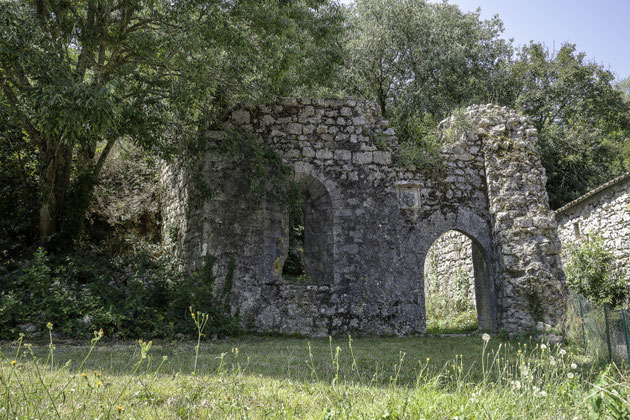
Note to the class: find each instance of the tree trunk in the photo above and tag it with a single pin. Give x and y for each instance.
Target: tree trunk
(55, 179)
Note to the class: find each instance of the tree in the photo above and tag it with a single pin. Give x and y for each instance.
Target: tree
(79, 76)
(580, 117)
(416, 58)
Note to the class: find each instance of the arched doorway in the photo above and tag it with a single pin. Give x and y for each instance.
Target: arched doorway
(458, 291)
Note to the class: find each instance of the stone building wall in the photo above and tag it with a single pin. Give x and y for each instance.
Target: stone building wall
(604, 211)
(449, 258)
(375, 218)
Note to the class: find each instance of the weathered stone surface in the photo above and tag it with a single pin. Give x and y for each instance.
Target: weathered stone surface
(605, 211)
(369, 222)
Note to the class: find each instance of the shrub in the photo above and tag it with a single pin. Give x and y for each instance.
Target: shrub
(129, 296)
(590, 271)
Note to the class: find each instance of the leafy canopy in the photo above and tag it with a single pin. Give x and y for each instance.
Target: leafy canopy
(79, 76)
(581, 118)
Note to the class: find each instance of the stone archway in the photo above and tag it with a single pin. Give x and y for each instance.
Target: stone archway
(456, 273)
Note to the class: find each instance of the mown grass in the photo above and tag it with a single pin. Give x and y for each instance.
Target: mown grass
(263, 377)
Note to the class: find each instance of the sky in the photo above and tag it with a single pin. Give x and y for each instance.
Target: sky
(600, 28)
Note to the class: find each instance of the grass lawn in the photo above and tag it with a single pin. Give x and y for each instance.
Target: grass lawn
(255, 377)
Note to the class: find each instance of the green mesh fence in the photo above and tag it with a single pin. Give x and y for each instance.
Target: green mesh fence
(602, 331)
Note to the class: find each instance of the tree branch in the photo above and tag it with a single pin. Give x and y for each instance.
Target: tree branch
(102, 157)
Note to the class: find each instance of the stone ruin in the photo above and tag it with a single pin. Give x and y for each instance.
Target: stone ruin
(369, 220)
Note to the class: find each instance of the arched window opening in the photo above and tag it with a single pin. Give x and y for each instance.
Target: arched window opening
(309, 258)
(457, 286)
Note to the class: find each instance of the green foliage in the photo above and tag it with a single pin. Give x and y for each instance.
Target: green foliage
(18, 190)
(266, 174)
(127, 297)
(78, 77)
(611, 398)
(590, 271)
(415, 58)
(582, 120)
(422, 147)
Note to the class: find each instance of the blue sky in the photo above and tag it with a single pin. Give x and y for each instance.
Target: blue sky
(600, 28)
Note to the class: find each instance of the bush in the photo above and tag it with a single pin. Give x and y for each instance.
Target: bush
(129, 297)
(590, 271)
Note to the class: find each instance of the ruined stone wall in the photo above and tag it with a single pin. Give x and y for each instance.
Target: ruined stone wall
(605, 212)
(383, 217)
(449, 260)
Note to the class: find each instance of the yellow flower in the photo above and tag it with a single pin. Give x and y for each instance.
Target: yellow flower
(14, 362)
(119, 408)
(99, 383)
(49, 326)
(97, 374)
(84, 375)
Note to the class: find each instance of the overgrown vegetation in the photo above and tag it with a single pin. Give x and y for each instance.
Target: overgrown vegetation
(128, 296)
(591, 271)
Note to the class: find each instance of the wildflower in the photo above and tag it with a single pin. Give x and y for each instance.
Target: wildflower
(563, 352)
(49, 325)
(428, 358)
(485, 337)
(84, 375)
(573, 366)
(570, 375)
(97, 374)
(0, 375)
(516, 384)
(13, 362)
(99, 383)
(535, 388)
(524, 370)
(543, 394)
(543, 347)
(119, 408)
(228, 397)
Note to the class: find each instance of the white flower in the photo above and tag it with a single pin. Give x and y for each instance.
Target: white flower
(573, 366)
(535, 388)
(563, 352)
(543, 394)
(516, 384)
(570, 375)
(552, 363)
(543, 346)
(485, 337)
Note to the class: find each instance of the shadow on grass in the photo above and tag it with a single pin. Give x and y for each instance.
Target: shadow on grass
(373, 361)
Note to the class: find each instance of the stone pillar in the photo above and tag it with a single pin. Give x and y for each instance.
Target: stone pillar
(529, 283)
